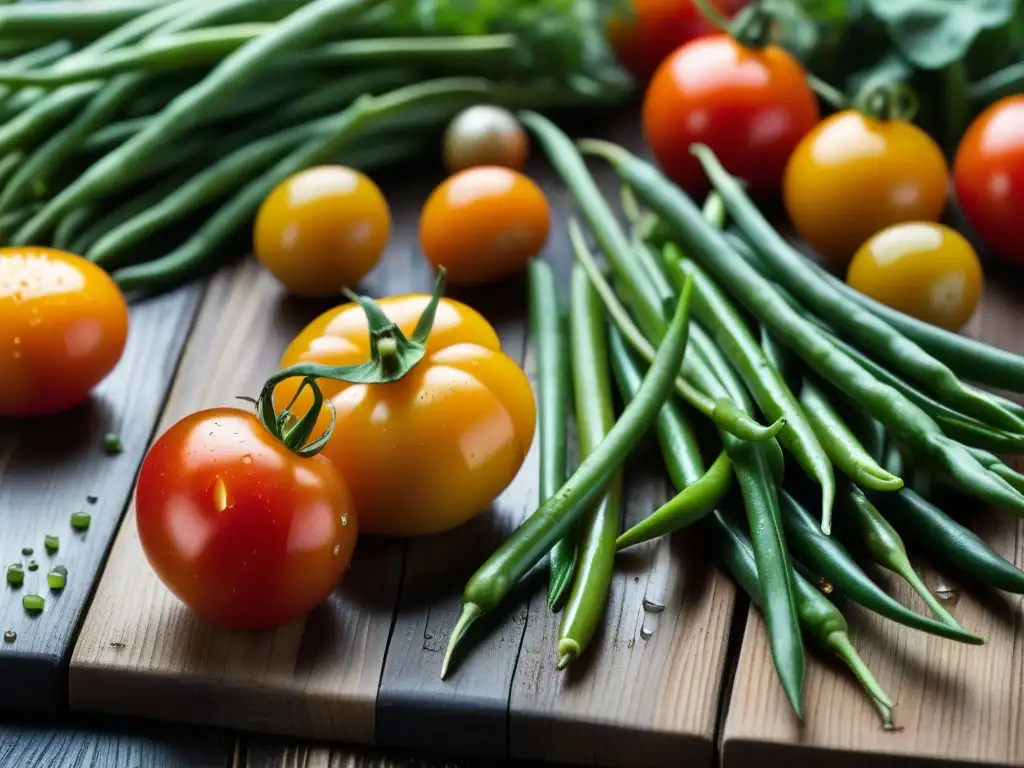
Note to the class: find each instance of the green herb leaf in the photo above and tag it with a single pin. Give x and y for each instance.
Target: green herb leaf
(112, 444)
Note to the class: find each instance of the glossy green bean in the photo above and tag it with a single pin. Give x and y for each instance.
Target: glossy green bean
(841, 444)
(553, 374)
(826, 557)
(773, 396)
(534, 538)
(792, 271)
(901, 416)
(592, 385)
(781, 359)
(994, 464)
(724, 412)
(821, 620)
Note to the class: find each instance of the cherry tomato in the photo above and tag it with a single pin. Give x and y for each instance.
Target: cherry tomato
(853, 175)
(750, 106)
(433, 449)
(241, 530)
(988, 172)
(483, 224)
(63, 328)
(484, 134)
(322, 230)
(658, 27)
(923, 269)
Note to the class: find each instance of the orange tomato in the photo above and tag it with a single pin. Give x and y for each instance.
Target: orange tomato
(483, 224)
(322, 230)
(853, 175)
(63, 328)
(431, 450)
(923, 269)
(751, 106)
(243, 531)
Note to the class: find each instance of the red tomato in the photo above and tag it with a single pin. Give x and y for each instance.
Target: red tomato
(988, 173)
(658, 27)
(241, 530)
(750, 106)
(63, 328)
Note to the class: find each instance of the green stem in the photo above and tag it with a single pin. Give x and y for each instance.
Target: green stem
(827, 92)
(840, 643)
(957, 108)
(1004, 82)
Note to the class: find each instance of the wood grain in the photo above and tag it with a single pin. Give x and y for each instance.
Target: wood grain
(316, 677)
(49, 468)
(264, 753)
(954, 703)
(74, 746)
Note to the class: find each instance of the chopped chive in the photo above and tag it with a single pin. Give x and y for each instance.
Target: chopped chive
(33, 565)
(26, 551)
(15, 575)
(80, 520)
(10, 636)
(112, 444)
(52, 544)
(33, 603)
(57, 578)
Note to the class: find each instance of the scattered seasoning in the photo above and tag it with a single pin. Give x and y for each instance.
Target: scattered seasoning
(112, 444)
(52, 544)
(115, 644)
(33, 603)
(80, 520)
(26, 551)
(57, 578)
(33, 565)
(15, 575)
(10, 636)
(92, 499)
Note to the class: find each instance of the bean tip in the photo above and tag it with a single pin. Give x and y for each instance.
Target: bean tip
(470, 613)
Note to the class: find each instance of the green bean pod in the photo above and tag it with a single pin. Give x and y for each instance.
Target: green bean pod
(781, 359)
(791, 269)
(821, 620)
(841, 444)
(555, 517)
(886, 548)
(773, 396)
(553, 375)
(902, 417)
(594, 419)
(994, 464)
(722, 411)
(826, 557)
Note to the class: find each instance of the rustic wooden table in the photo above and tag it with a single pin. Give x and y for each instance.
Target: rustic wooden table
(657, 689)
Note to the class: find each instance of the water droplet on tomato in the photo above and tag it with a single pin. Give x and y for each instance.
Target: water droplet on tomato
(219, 492)
(247, 459)
(344, 519)
(17, 340)
(337, 549)
(16, 354)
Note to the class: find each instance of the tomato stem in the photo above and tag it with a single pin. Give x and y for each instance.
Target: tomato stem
(827, 92)
(392, 356)
(888, 101)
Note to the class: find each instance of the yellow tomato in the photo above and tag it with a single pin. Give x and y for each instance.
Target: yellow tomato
(322, 230)
(483, 224)
(853, 175)
(433, 449)
(63, 328)
(925, 270)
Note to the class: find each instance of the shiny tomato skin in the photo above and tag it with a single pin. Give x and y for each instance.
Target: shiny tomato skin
(750, 106)
(63, 328)
(322, 229)
(483, 224)
(427, 452)
(658, 27)
(923, 269)
(854, 175)
(988, 174)
(241, 530)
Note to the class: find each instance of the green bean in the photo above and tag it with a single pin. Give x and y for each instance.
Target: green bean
(901, 416)
(820, 619)
(886, 548)
(825, 556)
(37, 119)
(38, 57)
(553, 375)
(995, 464)
(791, 269)
(532, 540)
(72, 225)
(841, 444)
(455, 51)
(725, 413)
(713, 309)
(191, 257)
(236, 71)
(780, 359)
(68, 19)
(594, 420)
(691, 504)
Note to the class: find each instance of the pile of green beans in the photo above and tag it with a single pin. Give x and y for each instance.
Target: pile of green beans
(773, 340)
(144, 134)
